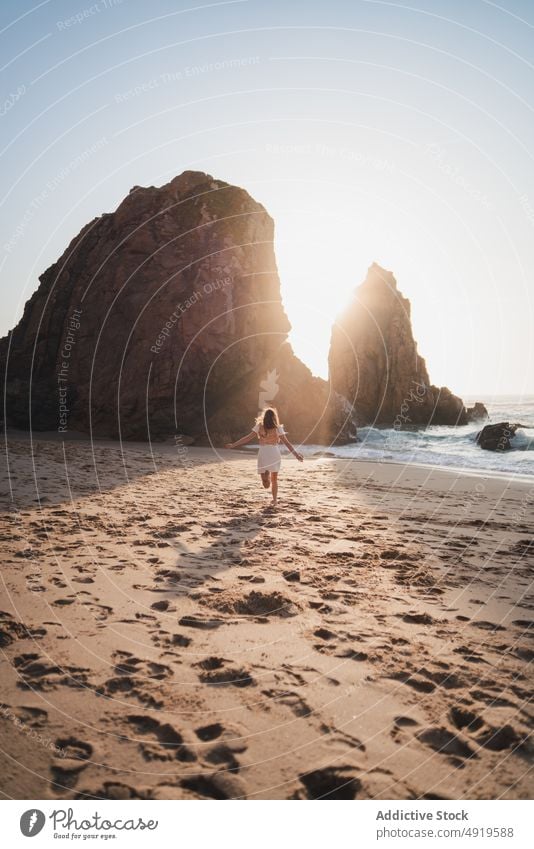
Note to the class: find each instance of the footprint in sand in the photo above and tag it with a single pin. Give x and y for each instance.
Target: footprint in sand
(445, 742)
(127, 664)
(417, 618)
(324, 634)
(169, 576)
(38, 674)
(399, 732)
(136, 678)
(166, 742)
(524, 653)
(101, 612)
(496, 738)
(30, 716)
(335, 782)
(446, 679)
(470, 655)
(218, 785)
(463, 718)
(207, 733)
(338, 737)
(487, 626)
(200, 622)
(112, 790)
(222, 755)
(11, 630)
(290, 699)
(163, 639)
(353, 654)
(145, 617)
(74, 757)
(492, 699)
(216, 673)
(417, 683)
(160, 605)
(527, 624)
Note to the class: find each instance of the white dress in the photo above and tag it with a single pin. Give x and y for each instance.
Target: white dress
(269, 455)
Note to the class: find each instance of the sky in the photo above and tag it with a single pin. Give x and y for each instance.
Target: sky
(372, 131)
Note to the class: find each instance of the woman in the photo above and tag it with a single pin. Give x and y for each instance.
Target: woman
(270, 433)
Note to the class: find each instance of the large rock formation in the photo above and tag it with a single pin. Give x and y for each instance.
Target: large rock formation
(374, 362)
(165, 317)
(309, 410)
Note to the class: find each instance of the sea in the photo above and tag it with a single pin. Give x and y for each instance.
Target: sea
(453, 447)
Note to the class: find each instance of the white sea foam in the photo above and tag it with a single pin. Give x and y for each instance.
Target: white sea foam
(449, 446)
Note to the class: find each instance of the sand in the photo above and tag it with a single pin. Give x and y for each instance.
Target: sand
(164, 636)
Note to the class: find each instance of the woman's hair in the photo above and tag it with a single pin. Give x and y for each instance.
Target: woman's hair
(268, 418)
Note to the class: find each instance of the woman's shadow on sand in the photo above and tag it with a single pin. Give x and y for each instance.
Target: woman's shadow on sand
(230, 542)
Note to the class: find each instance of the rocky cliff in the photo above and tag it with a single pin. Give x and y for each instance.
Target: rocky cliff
(165, 317)
(374, 362)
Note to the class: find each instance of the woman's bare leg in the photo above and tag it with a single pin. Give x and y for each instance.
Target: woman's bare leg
(274, 486)
(266, 479)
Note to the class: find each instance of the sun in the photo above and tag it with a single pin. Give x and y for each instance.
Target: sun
(324, 245)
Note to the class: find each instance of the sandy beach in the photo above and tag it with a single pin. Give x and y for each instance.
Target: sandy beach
(164, 636)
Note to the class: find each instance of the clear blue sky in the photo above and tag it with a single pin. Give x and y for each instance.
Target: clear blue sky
(370, 130)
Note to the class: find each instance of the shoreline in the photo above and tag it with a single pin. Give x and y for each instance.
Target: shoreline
(204, 452)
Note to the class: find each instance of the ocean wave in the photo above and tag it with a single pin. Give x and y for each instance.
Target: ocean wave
(438, 446)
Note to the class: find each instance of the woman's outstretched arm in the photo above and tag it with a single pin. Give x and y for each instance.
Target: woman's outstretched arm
(243, 441)
(286, 442)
